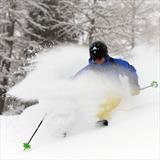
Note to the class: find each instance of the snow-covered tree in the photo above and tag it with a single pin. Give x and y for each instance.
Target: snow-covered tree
(118, 22)
(13, 27)
(58, 22)
(100, 20)
(140, 15)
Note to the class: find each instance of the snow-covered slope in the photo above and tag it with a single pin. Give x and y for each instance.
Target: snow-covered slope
(71, 105)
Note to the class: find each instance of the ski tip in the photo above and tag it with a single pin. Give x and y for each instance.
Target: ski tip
(26, 146)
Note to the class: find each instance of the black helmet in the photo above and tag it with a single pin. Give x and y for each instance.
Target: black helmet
(98, 50)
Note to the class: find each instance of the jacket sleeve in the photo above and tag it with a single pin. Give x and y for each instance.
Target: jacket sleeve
(131, 73)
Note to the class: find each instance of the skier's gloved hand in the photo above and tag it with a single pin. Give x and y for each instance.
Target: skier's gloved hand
(135, 91)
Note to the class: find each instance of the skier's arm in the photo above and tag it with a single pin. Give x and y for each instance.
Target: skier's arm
(133, 81)
(131, 73)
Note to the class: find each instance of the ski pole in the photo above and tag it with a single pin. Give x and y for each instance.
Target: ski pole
(154, 84)
(27, 145)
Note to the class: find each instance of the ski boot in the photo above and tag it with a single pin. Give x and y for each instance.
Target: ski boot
(102, 123)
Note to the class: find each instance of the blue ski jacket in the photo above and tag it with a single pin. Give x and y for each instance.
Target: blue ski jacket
(114, 68)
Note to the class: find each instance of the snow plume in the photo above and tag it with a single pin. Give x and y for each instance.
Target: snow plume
(66, 100)
(74, 102)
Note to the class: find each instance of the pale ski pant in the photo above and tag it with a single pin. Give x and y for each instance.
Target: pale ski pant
(105, 108)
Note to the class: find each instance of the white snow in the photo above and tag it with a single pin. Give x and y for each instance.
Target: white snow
(71, 105)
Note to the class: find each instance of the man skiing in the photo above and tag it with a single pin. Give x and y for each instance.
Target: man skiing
(100, 61)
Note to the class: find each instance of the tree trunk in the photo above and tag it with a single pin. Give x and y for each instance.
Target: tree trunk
(11, 28)
(3, 94)
(92, 23)
(133, 24)
(2, 102)
(11, 34)
(91, 31)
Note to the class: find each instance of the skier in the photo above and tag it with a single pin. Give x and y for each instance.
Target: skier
(100, 61)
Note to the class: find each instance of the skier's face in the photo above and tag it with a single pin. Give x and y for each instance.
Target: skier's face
(100, 61)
